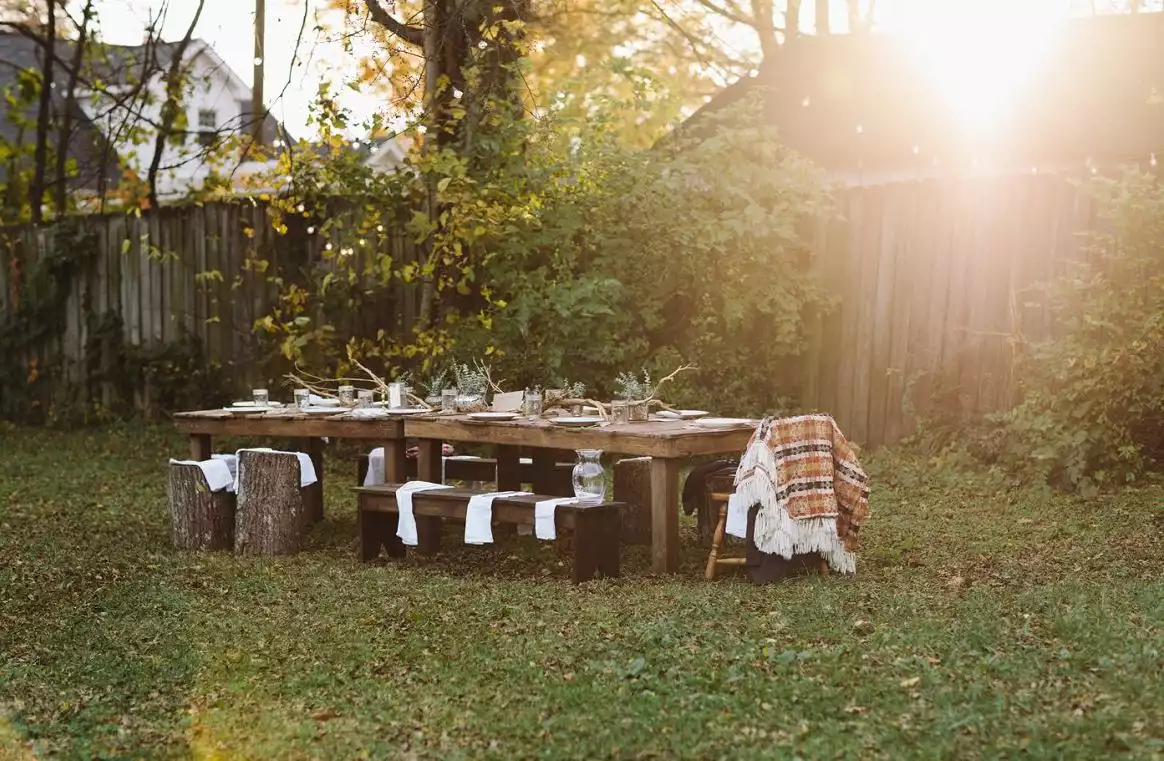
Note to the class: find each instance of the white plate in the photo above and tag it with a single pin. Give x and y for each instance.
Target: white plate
(493, 416)
(320, 411)
(324, 402)
(724, 422)
(253, 406)
(692, 414)
(407, 410)
(577, 422)
(248, 410)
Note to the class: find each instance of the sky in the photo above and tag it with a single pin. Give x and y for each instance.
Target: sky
(228, 25)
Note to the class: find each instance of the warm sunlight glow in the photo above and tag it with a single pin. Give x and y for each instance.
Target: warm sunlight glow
(980, 53)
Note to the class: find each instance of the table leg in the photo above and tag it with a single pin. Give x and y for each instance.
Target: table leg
(508, 469)
(395, 463)
(200, 446)
(314, 448)
(664, 515)
(428, 468)
(544, 482)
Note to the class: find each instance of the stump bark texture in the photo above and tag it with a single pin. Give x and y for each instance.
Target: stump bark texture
(199, 518)
(632, 487)
(272, 510)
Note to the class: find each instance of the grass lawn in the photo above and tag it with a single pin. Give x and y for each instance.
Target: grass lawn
(985, 622)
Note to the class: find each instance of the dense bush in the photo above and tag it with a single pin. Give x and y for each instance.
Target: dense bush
(1092, 406)
(557, 253)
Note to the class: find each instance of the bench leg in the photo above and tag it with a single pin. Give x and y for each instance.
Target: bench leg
(428, 534)
(378, 530)
(596, 544)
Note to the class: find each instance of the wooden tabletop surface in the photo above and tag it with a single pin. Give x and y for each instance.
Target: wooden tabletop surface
(657, 438)
(287, 422)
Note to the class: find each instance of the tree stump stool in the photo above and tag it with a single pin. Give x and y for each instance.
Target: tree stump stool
(273, 511)
(200, 519)
(632, 487)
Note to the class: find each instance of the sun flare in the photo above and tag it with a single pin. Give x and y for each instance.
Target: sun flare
(979, 54)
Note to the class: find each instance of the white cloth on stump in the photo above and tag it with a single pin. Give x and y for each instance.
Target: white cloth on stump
(306, 467)
(218, 475)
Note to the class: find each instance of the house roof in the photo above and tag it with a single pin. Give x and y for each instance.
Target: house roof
(868, 101)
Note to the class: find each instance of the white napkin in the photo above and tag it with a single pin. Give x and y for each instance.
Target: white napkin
(406, 522)
(479, 516)
(737, 517)
(231, 461)
(218, 476)
(375, 474)
(369, 413)
(306, 466)
(544, 526)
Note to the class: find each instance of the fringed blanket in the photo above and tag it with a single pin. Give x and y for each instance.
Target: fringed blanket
(813, 494)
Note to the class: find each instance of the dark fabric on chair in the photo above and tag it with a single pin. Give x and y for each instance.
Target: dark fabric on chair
(695, 488)
(763, 568)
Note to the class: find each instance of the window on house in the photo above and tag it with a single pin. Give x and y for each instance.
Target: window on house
(207, 126)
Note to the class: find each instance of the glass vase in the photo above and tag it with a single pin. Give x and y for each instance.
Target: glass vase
(589, 478)
(639, 412)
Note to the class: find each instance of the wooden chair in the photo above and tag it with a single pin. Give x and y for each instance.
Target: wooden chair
(719, 486)
(767, 568)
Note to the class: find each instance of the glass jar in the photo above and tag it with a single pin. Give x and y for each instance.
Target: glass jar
(449, 400)
(589, 477)
(364, 398)
(347, 396)
(302, 398)
(619, 412)
(261, 397)
(533, 404)
(639, 412)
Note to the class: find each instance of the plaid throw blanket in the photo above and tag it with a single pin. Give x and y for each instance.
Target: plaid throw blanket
(813, 494)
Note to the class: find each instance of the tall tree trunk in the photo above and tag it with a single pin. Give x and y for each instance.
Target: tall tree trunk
(762, 16)
(823, 18)
(175, 82)
(43, 116)
(65, 135)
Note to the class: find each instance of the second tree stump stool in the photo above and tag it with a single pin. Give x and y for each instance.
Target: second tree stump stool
(273, 509)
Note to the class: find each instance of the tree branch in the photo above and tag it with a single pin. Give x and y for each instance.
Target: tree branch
(413, 35)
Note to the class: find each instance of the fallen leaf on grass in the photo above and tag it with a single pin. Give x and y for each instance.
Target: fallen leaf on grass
(324, 715)
(911, 682)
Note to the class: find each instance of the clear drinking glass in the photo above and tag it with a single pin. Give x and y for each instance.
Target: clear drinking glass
(449, 400)
(262, 398)
(395, 395)
(302, 398)
(364, 398)
(619, 412)
(347, 396)
(589, 477)
(533, 404)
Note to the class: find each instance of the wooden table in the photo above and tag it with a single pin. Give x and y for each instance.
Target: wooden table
(203, 425)
(667, 443)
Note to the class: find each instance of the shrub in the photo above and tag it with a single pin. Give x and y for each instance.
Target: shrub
(1092, 406)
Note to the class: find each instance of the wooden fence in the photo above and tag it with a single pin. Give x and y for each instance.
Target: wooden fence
(200, 271)
(934, 280)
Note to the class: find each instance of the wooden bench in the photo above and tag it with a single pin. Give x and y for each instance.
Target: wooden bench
(595, 527)
(463, 468)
